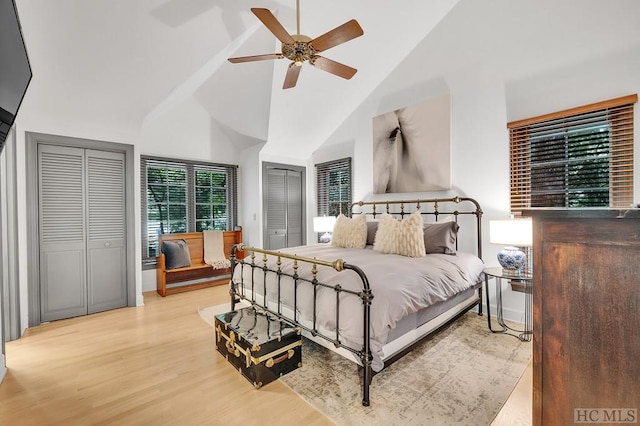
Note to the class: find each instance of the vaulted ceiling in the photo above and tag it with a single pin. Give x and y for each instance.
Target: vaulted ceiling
(124, 62)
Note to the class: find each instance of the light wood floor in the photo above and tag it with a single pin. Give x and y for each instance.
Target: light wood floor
(517, 410)
(154, 364)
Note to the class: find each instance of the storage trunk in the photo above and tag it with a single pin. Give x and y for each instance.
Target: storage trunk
(259, 345)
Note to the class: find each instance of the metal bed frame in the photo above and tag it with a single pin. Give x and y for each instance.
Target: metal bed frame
(365, 294)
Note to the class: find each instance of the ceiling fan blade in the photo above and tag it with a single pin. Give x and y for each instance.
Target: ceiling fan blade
(255, 58)
(291, 78)
(333, 67)
(345, 32)
(273, 25)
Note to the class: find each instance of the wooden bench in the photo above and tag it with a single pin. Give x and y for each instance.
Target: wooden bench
(169, 281)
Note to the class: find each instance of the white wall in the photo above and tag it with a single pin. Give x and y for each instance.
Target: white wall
(474, 54)
(480, 146)
(186, 132)
(486, 94)
(250, 182)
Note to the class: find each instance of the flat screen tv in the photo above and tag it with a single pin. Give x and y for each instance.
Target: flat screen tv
(15, 70)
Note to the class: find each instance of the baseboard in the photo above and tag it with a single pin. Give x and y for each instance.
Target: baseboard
(3, 368)
(509, 314)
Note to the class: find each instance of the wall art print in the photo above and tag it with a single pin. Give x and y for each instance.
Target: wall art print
(412, 148)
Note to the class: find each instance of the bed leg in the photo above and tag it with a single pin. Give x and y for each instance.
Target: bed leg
(232, 285)
(480, 301)
(366, 381)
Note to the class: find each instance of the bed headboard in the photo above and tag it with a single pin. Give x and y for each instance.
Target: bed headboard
(431, 209)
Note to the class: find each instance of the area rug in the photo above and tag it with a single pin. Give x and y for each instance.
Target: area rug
(461, 376)
(208, 313)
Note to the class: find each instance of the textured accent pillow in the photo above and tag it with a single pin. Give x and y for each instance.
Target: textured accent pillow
(405, 237)
(350, 233)
(176, 254)
(440, 237)
(372, 228)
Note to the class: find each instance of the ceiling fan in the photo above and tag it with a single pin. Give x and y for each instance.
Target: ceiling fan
(299, 48)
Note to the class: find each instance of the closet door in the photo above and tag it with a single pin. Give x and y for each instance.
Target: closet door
(82, 231)
(61, 184)
(284, 208)
(294, 208)
(276, 209)
(106, 249)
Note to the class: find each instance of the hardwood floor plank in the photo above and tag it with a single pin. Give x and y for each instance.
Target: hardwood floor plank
(154, 364)
(517, 411)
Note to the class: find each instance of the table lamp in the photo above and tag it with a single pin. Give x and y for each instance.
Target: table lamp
(324, 224)
(513, 233)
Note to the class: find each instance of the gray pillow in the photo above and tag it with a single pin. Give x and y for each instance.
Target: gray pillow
(440, 237)
(372, 228)
(176, 254)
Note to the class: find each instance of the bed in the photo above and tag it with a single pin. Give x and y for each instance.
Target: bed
(372, 298)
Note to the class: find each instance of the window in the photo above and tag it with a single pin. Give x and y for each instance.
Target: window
(581, 157)
(182, 196)
(333, 187)
(212, 193)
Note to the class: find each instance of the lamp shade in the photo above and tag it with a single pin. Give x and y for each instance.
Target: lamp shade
(511, 232)
(323, 223)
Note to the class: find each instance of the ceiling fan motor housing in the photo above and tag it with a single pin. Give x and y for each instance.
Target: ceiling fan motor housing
(299, 51)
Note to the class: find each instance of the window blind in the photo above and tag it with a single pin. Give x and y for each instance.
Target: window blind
(582, 157)
(184, 196)
(333, 187)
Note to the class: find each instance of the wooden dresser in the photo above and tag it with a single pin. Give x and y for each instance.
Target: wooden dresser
(586, 316)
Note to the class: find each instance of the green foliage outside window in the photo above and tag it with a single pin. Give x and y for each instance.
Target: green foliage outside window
(571, 169)
(333, 187)
(211, 200)
(185, 197)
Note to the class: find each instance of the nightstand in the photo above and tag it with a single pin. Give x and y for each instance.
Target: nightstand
(498, 274)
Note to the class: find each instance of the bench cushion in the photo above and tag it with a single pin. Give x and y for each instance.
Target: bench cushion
(176, 254)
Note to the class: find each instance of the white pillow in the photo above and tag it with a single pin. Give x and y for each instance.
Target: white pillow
(350, 233)
(405, 237)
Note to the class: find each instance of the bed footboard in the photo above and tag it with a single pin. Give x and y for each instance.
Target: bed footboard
(251, 292)
(291, 276)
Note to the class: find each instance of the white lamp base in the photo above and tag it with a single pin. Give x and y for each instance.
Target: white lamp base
(326, 237)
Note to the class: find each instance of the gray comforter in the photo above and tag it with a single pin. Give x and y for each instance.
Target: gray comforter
(400, 286)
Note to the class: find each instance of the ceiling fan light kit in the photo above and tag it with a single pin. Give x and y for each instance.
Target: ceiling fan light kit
(299, 48)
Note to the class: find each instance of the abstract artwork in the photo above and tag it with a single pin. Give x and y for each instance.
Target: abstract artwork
(412, 148)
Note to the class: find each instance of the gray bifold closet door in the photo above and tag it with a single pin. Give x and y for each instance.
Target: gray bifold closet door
(81, 231)
(284, 209)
